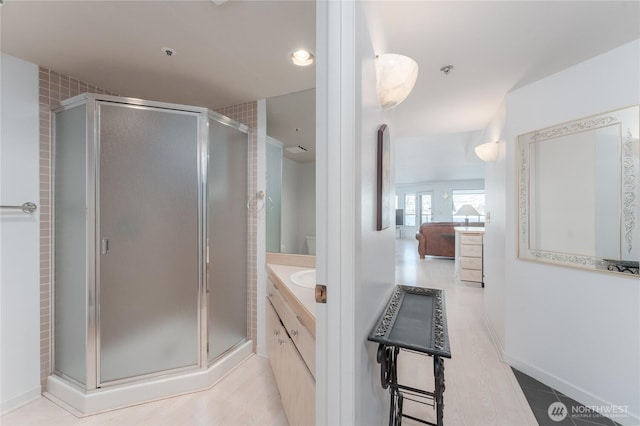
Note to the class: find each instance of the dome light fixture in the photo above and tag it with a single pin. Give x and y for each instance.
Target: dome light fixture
(302, 58)
(396, 75)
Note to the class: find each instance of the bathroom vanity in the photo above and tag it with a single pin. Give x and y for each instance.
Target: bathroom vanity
(290, 334)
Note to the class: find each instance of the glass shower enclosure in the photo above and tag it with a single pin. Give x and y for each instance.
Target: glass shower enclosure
(150, 249)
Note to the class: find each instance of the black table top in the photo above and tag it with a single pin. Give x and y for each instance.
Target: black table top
(415, 318)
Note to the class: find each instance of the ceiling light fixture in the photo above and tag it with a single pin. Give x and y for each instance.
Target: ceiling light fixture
(302, 58)
(489, 151)
(446, 69)
(396, 75)
(168, 51)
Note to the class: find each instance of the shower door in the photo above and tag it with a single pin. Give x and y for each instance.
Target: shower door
(227, 237)
(148, 222)
(71, 243)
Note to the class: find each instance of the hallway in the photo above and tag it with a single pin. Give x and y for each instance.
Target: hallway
(480, 388)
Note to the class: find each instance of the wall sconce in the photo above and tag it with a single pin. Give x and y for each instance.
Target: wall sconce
(396, 75)
(488, 151)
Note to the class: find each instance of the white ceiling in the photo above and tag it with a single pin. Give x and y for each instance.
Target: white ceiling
(437, 158)
(495, 47)
(291, 119)
(229, 54)
(238, 52)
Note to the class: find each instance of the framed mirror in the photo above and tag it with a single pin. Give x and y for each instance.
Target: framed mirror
(578, 193)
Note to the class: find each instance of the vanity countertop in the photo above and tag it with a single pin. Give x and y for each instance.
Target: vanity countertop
(302, 300)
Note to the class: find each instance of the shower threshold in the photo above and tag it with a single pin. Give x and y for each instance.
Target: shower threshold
(81, 403)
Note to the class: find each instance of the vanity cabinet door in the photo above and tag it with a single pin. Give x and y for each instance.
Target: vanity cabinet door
(275, 336)
(299, 397)
(296, 384)
(303, 339)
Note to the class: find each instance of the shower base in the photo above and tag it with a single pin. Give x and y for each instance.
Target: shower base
(83, 403)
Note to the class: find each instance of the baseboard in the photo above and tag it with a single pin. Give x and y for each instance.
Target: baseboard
(494, 338)
(582, 396)
(20, 400)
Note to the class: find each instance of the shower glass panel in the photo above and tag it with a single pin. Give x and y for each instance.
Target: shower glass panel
(148, 240)
(70, 244)
(227, 237)
(274, 194)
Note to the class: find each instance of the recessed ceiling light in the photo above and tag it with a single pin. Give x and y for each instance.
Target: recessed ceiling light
(302, 58)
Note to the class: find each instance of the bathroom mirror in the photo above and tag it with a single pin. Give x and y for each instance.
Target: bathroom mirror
(290, 206)
(578, 193)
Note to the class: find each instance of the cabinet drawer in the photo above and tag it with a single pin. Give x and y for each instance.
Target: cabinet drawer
(302, 338)
(470, 251)
(471, 275)
(471, 263)
(470, 239)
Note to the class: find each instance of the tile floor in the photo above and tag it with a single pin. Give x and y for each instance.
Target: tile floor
(246, 396)
(541, 396)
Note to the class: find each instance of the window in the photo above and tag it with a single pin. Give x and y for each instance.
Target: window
(410, 209)
(473, 197)
(426, 200)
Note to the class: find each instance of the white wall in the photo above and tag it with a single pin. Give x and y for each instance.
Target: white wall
(375, 257)
(495, 181)
(298, 205)
(576, 330)
(289, 223)
(307, 207)
(19, 235)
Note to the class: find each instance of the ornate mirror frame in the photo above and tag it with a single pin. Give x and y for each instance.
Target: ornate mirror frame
(612, 137)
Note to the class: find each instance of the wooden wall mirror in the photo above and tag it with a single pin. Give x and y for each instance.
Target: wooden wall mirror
(578, 193)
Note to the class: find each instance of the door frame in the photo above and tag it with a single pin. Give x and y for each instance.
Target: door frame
(336, 120)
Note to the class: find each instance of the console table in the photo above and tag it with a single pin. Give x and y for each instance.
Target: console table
(414, 319)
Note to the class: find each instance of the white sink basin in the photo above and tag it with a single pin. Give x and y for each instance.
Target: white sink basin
(306, 279)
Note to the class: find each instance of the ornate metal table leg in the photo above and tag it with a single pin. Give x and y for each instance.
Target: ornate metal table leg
(399, 409)
(387, 357)
(392, 409)
(438, 373)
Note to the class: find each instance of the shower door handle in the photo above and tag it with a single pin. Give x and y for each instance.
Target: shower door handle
(105, 246)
